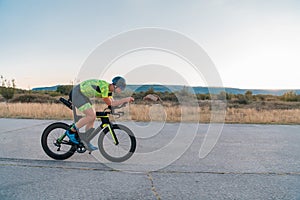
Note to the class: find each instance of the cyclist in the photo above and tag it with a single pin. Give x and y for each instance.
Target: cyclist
(80, 96)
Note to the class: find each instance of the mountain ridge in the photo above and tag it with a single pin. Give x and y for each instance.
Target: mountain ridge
(195, 89)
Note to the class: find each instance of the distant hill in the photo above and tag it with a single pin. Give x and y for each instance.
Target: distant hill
(197, 90)
(52, 88)
(206, 90)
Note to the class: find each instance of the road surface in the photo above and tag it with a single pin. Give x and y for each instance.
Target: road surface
(248, 162)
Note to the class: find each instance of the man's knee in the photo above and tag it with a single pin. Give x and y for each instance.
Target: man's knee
(91, 117)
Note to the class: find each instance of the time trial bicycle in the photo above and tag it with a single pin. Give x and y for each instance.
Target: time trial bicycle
(116, 142)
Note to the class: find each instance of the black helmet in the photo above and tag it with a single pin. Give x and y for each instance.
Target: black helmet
(119, 82)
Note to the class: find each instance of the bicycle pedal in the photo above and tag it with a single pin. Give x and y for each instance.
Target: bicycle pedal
(81, 148)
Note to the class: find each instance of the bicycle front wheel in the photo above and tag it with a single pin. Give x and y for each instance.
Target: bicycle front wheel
(120, 152)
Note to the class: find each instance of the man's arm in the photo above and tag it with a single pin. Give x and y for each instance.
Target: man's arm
(111, 102)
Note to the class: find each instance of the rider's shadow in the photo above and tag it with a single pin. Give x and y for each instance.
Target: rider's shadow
(78, 161)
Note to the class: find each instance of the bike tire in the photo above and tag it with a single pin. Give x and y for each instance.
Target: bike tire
(105, 142)
(50, 135)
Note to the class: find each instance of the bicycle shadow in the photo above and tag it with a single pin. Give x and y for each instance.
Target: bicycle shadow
(55, 164)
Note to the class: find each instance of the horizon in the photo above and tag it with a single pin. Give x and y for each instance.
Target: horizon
(131, 84)
(170, 85)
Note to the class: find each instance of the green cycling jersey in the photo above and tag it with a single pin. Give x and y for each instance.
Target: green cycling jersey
(95, 88)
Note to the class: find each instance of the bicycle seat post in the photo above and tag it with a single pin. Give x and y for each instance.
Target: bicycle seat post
(76, 117)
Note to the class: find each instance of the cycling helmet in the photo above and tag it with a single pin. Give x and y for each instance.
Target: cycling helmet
(119, 82)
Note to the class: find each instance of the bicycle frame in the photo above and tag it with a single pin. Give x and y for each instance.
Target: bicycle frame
(105, 124)
(104, 119)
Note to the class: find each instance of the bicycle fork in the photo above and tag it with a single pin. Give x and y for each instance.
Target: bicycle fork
(112, 133)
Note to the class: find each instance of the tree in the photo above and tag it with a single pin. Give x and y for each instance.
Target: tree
(150, 91)
(64, 89)
(242, 99)
(222, 95)
(248, 95)
(185, 91)
(290, 96)
(203, 96)
(7, 89)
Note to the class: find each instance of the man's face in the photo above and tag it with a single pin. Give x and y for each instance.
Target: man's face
(118, 90)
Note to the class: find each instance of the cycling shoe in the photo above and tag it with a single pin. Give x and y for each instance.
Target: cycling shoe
(72, 136)
(91, 147)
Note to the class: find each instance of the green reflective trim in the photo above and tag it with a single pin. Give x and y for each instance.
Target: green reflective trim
(60, 139)
(85, 107)
(101, 117)
(110, 131)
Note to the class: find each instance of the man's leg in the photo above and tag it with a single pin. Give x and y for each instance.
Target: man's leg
(88, 120)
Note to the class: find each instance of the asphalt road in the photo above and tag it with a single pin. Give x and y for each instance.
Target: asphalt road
(247, 162)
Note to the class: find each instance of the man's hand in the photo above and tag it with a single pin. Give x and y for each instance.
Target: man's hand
(129, 99)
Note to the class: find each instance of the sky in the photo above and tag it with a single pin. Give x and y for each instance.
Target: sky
(254, 44)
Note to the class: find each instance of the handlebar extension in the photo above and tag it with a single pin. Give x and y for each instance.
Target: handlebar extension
(66, 102)
(113, 108)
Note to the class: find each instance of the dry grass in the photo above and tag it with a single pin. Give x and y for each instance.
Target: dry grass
(251, 115)
(159, 112)
(35, 111)
(204, 115)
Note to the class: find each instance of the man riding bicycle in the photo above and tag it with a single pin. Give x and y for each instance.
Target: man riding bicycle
(80, 96)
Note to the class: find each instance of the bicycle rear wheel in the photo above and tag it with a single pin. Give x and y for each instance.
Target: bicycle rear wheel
(55, 143)
(121, 152)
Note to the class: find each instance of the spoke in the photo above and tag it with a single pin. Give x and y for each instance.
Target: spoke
(52, 138)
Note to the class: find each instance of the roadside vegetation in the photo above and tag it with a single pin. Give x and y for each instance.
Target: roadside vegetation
(240, 108)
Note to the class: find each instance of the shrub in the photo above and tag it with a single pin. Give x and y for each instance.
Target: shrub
(34, 98)
(290, 96)
(64, 89)
(7, 89)
(7, 92)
